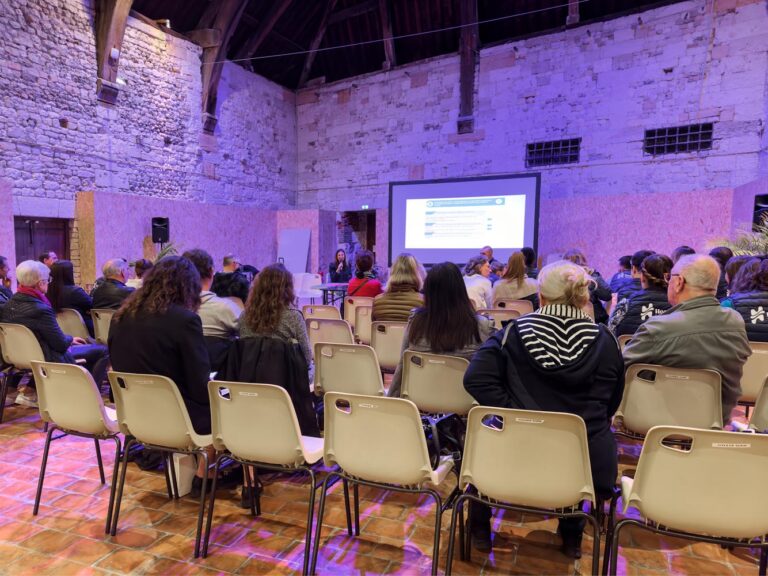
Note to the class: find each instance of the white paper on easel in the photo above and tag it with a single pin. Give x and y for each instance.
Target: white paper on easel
(293, 248)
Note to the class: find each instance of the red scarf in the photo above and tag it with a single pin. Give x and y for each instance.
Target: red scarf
(29, 291)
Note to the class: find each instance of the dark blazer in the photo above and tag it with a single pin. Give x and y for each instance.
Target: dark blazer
(110, 294)
(170, 345)
(41, 319)
(76, 298)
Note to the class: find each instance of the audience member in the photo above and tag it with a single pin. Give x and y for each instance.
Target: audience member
(743, 279)
(478, 286)
(403, 292)
(631, 285)
(157, 331)
(49, 258)
(750, 299)
(530, 262)
(558, 360)
(495, 265)
(340, 270)
(651, 300)
(219, 316)
(64, 293)
(623, 275)
(30, 307)
(599, 291)
(364, 284)
(231, 282)
(446, 324)
(250, 272)
(721, 254)
(5, 281)
(732, 268)
(696, 332)
(681, 251)
(112, 291)
(514, 284)
(140, 267)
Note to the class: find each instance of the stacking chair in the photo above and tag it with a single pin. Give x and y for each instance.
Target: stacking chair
(758, 421)
(152, 411)
(529, 462)
(387, 340)
(321, 311)
(255, 424)
(102, 318)
(327, 330)
(378, 442)
(691, 492)
(755, 372)
(20, 348)
(363, 321)
(305, 290)
(674, 397)
(72, 323)
(348, 368)
(350, 303)
(623, 339)
(70, 400)
(522, 306)
(499, 315)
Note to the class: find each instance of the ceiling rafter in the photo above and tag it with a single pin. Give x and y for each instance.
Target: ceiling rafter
(468, 51)
(318, 38)
(111, 18)
(265, 27)
(352, 11)
(385, 15)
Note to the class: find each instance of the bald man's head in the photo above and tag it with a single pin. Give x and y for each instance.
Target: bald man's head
(693, 276)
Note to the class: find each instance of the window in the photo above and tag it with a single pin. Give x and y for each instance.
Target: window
(554, 152)
(691, 138)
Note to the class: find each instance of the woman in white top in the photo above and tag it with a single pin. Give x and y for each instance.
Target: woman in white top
(479, 287)
(514, 284)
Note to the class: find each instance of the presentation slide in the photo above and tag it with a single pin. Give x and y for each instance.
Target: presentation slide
(450, 220)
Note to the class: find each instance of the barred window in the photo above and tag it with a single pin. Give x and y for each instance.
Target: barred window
(677, 139)
(554, 152)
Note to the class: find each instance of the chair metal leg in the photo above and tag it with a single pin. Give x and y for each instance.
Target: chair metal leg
(356, 489)
(43, 465)
(468, 541)
(167, 472)
(201, 511)
(763, 561)
(461, 531)
(609, 531)
(320, 513)
(310, 520)
(113, 483)
(346, 505)
(172, 469)
(438, 520)
(256, 490)
(119, 497)
(211, 504)
(249, 488)
(457, 507)
(615, 545)
(98, 460)
(596, 545)
(3, 393)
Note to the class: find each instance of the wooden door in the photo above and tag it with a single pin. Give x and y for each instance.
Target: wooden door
(37, 235)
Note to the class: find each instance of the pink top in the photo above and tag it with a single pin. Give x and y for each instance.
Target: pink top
(369, 290)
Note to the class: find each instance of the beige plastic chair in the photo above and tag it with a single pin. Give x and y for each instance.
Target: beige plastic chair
(350, 303)
(693, 491)
(70, 400)
(102, 318)
(363, 321)
(378, 442)
(623, 339)
(347, 368)
(522, 306)
(755, 372)
(499, 315)
(758, 421)
(304, 289)
(321, 311)
(151, 409)
(387, 340)
(20, 348)
(677, 397)
(255, 424)
(327, 330)
(72, 323)
(529, 462)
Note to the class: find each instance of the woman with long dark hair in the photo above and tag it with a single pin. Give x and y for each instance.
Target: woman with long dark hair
(749, 297)
(447, 323)
(340, 269)
(64, 293)
(651, 300)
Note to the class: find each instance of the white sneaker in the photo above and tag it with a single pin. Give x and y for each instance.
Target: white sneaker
(28, 399)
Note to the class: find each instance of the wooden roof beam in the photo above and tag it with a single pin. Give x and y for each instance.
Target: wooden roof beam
(385, 14)
(261, 33)
(318, 38)
(468, 52)
(352, 11)
(573, 13)
(111, 18)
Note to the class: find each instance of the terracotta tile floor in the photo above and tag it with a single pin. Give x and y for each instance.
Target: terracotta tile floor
(156, 535)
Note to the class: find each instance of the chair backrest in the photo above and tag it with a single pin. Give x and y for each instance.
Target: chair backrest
(529, 458)
(255, 422)
(623, 339)
(72, 323)
(755, 372)
(20, 346)
(522, 306)
(350, 302)
(387, 340)
(435, 383)
(102, 318)
(363, 321)
(663, 396)
(348, 368)
(321, 311)
(715, 486)
(328, 330)
(376, 438)
(499, 315)
(150, 408)
(68, 397)
(758, 420)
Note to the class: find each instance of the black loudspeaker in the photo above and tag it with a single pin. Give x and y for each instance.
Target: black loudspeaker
(760, 210)
(161, 230)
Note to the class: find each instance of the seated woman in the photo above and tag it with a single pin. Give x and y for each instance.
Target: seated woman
(750, 298)
(30, 307)
(515, 284)
(403, 292)
(339, 269)
(650, 300)
(732, 269)
(364, 283)
(561, 361)
(477, 283)
(599, 291)
(140, 267)
(446, 324)
(64, 293)
(157, 331)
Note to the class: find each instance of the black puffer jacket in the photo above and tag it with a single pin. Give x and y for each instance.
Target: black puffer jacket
(642, 305)
(41, 319)
(753, 307)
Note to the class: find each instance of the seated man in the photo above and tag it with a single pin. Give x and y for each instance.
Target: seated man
(696, 332)
(112, 291)
(231, 281)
